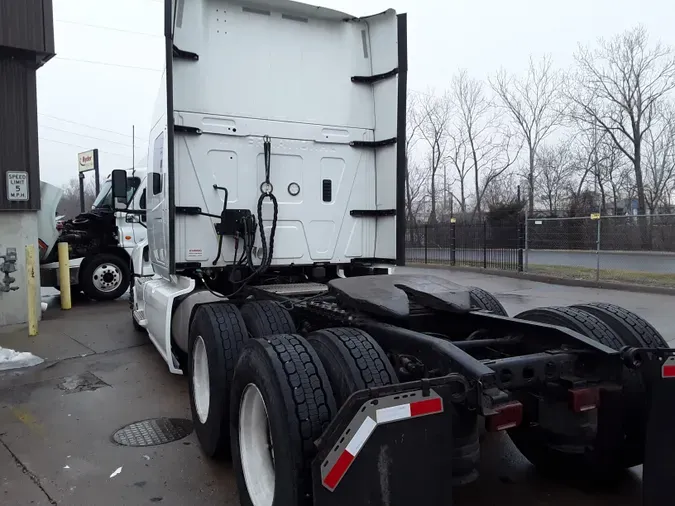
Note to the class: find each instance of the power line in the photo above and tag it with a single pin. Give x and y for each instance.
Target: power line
(91, 126)
(88, 136)
(82, 147)
(111, 28)
(107, 64)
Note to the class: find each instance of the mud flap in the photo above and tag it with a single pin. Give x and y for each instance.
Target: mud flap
(659, 462)
(389, 446)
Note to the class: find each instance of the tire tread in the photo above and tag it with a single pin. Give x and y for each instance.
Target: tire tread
(645, 334)
(307, 384)
(485, 300)
(269, 317)
(370, 360)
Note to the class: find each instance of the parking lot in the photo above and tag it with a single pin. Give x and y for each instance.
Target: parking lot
(57, 419)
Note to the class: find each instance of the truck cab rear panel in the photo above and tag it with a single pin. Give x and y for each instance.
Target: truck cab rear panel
(326, 92)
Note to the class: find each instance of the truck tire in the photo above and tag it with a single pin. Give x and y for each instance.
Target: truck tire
(105, 277)
(217, 336)
(581, 460)
(633, 331)
(353, 361)
(485, 300)
(281, 403)
(266, 318)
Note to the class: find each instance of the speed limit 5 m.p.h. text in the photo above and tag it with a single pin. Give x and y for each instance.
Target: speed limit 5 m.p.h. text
(17, 185)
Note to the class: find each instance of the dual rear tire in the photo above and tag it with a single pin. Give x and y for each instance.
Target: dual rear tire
(563, 454)
(265, 398)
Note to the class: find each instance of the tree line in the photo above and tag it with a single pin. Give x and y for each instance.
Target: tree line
(598, 137)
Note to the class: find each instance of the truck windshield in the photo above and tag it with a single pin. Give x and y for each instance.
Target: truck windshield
(104, 198)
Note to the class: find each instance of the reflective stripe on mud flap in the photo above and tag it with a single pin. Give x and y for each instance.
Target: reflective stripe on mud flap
(375, 412)
(668, 370)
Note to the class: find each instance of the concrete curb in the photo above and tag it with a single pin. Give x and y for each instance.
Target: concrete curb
(607, 285)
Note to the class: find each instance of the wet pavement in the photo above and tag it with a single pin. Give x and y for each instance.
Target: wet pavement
(57, 419)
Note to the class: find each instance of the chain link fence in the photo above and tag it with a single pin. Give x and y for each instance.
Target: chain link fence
(623, 249)
(629, 249)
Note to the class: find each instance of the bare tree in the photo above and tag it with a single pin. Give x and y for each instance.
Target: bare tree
(501, 155)
(473, 125)
(459, 157)
(614, 175)
(69, 206)
(554, 170)
(618, 87)
(434, 114)
(502, 190)
(659, 166)
(535, 105)
(414, 177)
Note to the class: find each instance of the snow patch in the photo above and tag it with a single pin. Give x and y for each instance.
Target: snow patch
(10, 359)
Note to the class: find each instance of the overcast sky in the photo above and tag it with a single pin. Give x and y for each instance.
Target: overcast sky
(110, 53)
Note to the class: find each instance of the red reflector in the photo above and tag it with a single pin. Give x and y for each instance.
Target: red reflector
(338, 470)
(669, 371)
(508, 416)
(584, 399)
(426, 407)
(42, 245)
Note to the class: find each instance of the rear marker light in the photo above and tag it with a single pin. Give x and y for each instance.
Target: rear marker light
(384, 415)
(508, 416)
(668, 370)
(584, 399)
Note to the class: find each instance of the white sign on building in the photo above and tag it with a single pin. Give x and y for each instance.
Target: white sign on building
(17, 186)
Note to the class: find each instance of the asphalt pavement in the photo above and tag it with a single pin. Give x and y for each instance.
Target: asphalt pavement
(662, 263)
(57, 419)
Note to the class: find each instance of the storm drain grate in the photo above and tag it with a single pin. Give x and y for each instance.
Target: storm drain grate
(157, 431)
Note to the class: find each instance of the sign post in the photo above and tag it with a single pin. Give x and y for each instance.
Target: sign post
(88, 161)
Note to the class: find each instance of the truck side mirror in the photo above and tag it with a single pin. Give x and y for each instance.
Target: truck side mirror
(119, 188)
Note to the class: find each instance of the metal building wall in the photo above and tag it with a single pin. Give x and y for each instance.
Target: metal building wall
(26, 43)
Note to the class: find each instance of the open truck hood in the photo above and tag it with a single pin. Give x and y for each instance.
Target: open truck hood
(47, 233)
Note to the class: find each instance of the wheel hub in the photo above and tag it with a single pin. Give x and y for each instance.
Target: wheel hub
(201, 387)
(256, 447)
(107, 278)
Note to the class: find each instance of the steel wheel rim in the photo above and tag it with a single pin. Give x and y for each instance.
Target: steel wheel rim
(256, 448)
(107, 277)
(201, 388)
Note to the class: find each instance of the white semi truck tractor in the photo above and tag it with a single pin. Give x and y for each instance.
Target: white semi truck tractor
(275, 219)
(101, 241)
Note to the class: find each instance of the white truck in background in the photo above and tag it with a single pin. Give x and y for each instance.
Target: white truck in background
(101, 241)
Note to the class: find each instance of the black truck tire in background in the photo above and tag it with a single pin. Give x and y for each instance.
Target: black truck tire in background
(266, 318)
(105, 276)
(586, 461)
(218, 334)
(353, 361)
(633, 331)
(485, 300)
(298, 404)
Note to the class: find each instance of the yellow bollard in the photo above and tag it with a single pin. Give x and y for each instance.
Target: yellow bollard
(64, 276)
(32, 291)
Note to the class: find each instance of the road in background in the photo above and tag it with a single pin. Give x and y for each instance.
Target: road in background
(661, 263)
